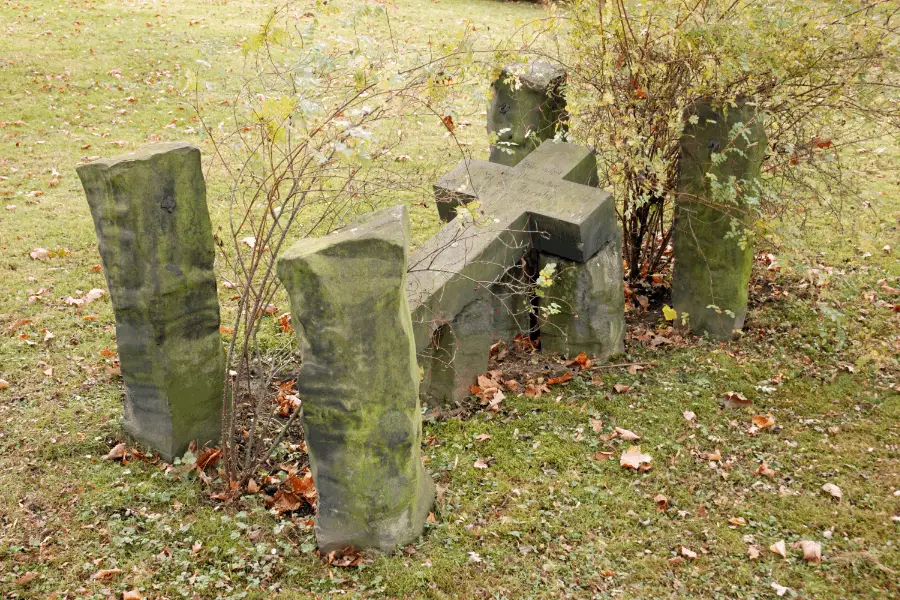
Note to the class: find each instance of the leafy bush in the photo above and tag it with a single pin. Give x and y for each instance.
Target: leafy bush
(823, 74)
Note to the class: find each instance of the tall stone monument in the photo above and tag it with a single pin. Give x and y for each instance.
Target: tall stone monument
(359, 382)
(156, 244)
(528, 107)
(718, 169)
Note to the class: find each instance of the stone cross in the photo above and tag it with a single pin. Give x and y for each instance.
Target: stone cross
(712, 267)
(528, 107)
(548, 201)
(156, 244)
(359, 382)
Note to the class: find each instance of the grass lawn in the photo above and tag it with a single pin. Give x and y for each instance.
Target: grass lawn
(550, 516)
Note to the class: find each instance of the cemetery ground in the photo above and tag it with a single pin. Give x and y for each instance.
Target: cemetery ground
(532, 501)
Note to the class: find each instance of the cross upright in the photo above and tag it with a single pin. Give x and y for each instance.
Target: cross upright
(548, 201)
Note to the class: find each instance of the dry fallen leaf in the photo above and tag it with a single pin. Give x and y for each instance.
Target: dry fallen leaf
(753, 551)
(687, 552)
(39, 254)
(481, 437)
(621, 388)
(117, 452)
(26, 578)
(596, 425)
(661, 502)
(780, 590)
(779, 548)
(106, 574)
(812, 551)
(132, 595)
(737, 521)
(834, 490)
(765, 470)
(689, 415)
(633, 458)
(763, 421)
(628, 436)
(346, 557)
(482, 463)
(732, 400)
(714, 456)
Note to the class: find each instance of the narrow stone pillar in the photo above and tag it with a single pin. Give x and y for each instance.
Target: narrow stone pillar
(590, 300)
(359, 382)
(712, 262)
(156, 244)
(528, 107)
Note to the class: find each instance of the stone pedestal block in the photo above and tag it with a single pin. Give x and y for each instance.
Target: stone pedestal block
(528, 107)
(359, 382)
(591, 304)
(156, 244)
(718, 169)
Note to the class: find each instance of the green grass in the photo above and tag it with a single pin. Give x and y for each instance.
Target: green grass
(545, 519)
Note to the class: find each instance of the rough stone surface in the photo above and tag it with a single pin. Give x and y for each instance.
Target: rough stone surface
(591, 299)
(156, 244)
(458, 353)
(711, 269)
(546, 202)
(528, 107)
(359, 382)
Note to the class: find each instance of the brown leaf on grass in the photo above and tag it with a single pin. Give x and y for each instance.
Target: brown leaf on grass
(633, 458)
(661, 502)
(535, 391)
(302, 485)
(481, 437)
(106, 352)
(779, 548)
(596, 425)
(753, 551)
(834, 490)
(561, 379)
(94, 294)
(812, 551)
(345, 557)
(26, 578)
(118, 452)
(284, 323)
(734, 400)
(285, 502)
(621, 388)
(714, 456)
(689, 415)
(763, 421)
(687, 552)
(580, 361)
(134, 594)
(765, 470)
(39, 254)
(106, 574)
(483, 463)
(737, 521)
(628, 436)
(208, 457)
(603, 455)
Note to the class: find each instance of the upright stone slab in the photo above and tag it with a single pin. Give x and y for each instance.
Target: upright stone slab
(359, 382)
(548, 201)
(156, 244)
(528, 107)
(590, 299)
(712, 270)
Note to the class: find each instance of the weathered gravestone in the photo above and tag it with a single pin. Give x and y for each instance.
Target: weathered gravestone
(156, 244)
(547, 202)
(712, 264)
(528, 107)
(359, 382)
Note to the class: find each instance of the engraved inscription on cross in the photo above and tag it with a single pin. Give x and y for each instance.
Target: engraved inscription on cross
(548, 201)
